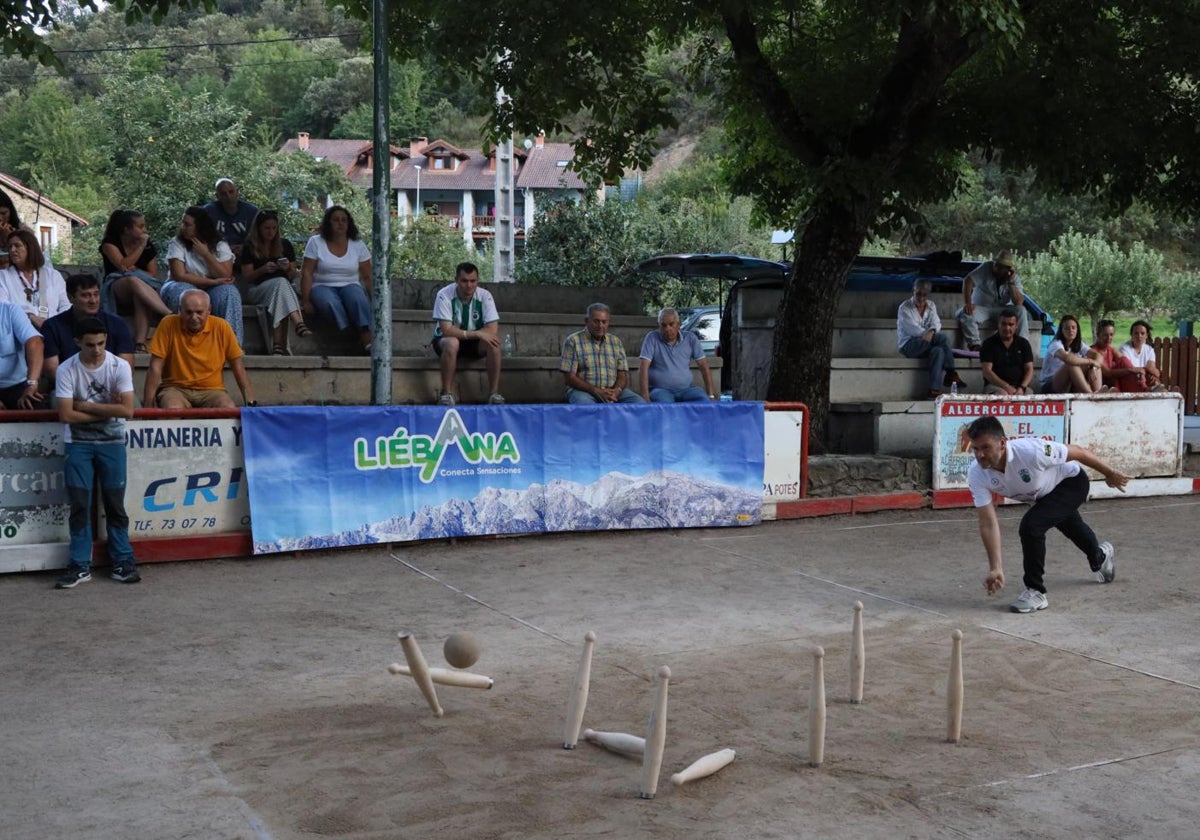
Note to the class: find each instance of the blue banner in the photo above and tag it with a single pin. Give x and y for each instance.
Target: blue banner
(331, 476)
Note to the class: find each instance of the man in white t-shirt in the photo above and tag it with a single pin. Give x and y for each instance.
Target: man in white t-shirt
(465, 322)
(1048, 475)
(95, 397)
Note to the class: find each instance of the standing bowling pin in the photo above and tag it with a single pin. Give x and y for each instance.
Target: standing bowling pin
(704, 766)
(579, 693)
(816, 710)
(420, 670)
(656, 737)
(858, 656)
(621, 743)
(954, 690)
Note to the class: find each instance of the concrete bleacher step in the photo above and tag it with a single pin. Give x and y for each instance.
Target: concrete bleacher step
(895, 427)
(531, 333)
(876, 337)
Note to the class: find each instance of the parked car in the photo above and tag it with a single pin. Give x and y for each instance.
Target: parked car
(705, 322)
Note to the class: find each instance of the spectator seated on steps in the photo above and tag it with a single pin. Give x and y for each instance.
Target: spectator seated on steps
(990, 288)
(919, 336)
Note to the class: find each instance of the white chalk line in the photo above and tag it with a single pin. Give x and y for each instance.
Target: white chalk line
(478, 601)
(1105, 762)
(1091, 658)
(868, 594)
(256, 824)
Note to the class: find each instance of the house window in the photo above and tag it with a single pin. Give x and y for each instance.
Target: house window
(439, 163)
(46, 238)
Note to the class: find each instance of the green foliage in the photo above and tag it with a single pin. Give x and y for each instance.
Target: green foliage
(271, 80)
(430, 250)
(1088, 275)
(593, 244)
(1183, 295)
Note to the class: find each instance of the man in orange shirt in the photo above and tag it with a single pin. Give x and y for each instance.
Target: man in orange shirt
(187, 356)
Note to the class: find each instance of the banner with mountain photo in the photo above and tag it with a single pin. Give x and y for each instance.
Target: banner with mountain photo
(321, 477)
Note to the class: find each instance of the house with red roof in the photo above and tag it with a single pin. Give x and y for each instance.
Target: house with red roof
(53, 225)
(457, 186)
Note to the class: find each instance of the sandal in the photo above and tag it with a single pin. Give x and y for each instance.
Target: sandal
(280, 350)
(303, 330)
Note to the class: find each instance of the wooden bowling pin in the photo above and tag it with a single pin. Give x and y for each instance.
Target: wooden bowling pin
(816, 710)
(704, 766)
(579, 693)
(420, 670)
(656, 737)
(954, 690)
(444, 676)
(858, 656)
(621, 743)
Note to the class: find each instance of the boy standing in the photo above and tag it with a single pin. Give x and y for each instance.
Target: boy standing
(95, 397)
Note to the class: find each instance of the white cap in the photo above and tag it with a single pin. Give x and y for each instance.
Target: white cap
(221, 181)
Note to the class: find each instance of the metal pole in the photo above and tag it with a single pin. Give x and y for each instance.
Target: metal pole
(381, 217)
(417, 210)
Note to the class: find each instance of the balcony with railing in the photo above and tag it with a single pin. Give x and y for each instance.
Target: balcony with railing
(482, 226)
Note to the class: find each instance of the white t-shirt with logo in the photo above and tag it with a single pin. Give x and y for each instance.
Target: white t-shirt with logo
(102, 384)
(1034, 468)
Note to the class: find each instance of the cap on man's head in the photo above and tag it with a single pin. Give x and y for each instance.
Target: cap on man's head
(221, 181)
(1005, 259)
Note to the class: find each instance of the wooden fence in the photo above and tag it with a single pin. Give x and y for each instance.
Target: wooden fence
(1179, 361)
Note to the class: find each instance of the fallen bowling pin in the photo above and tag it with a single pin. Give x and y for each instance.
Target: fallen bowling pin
(444, 676)
(704, 766)
(420, 671)
(579, 693)
(621, 743)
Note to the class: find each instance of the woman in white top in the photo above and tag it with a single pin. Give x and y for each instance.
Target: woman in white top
(1067, 368)
(335, 278)
(30, 282)
(199, 259)
(1142, 356)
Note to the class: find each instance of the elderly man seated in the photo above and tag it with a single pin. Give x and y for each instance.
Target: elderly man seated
(594, 366)
(187, 356)
(665, 373)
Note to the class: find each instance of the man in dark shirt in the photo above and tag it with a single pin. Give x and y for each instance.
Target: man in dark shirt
(230, 214)
(1006, 359)
(58, 333)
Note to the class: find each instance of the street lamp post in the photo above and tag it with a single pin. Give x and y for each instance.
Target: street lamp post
(417, 209)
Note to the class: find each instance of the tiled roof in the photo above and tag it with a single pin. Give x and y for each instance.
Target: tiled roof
(346, 154)
(539, 167)
(12, 183)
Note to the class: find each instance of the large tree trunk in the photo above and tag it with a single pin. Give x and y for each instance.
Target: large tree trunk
(803, 348)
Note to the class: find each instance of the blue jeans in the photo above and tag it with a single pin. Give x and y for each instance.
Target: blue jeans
(692, 393)
(344, 306)
(85, 462)
(577, 397)
(941, 357)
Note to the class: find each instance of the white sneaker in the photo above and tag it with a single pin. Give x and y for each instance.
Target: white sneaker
(1030, 601)
(446, 398)
(496, 399)
(1108, 569)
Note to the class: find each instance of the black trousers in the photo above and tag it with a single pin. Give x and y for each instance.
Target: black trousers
(1057, 509)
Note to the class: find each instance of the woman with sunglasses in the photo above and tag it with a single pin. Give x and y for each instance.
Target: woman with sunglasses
(268, 265)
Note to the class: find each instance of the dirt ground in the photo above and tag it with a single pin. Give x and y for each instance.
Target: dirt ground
(250, 699)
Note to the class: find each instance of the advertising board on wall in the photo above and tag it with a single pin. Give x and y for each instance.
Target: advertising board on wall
(332, 476)
(1038, 417)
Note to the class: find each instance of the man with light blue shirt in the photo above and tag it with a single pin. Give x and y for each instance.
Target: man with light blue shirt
(21, 352)
(665, 374)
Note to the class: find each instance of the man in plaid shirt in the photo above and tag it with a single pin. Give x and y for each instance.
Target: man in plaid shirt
(594, 365)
